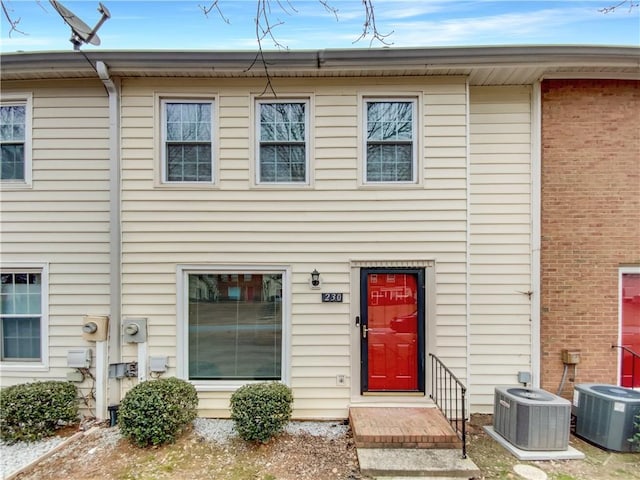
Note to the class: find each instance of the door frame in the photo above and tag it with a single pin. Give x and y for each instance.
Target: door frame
(623, 270)
(362, 322)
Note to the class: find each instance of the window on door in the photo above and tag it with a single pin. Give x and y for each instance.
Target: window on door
(392, 330)
(234, 323)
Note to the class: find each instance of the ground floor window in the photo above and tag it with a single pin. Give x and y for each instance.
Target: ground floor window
(21, 310)
(234, 323)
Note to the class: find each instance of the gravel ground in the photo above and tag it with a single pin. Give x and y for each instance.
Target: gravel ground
(20, 454)
(16, 456)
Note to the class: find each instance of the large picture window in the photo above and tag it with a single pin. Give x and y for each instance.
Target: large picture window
(187, 141)
(21, 316)
(15, 147)
(234, 325)
(390, 141)
(282, 136)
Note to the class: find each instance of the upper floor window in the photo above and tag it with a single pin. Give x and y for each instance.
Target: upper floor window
(15, 147)
(283, 137)
(187, 141)
(21, 315)
(391, 153)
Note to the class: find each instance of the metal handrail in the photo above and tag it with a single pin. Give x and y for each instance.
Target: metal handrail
(449, 394)
(634, 357)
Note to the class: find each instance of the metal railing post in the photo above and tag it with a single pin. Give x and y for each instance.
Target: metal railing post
(634, 358)
(447, 389)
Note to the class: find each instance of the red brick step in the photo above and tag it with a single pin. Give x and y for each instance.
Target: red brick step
(400, 427)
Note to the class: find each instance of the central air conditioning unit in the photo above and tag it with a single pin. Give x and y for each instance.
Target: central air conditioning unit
(605, 415)
(532, 419)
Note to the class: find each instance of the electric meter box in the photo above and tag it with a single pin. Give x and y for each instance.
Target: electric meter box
(95, 328)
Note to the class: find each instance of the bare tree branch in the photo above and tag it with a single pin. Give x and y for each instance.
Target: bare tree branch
(369, 26)
(329, 8)
(612, 8)
(265, 29)
(207, 10)
(265, 25)
(13, 22)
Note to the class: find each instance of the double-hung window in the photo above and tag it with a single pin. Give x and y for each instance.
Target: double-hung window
(21, 315)
(187, 141)
(390, 143)
(233, 330)
(15, 147)
(283, 155)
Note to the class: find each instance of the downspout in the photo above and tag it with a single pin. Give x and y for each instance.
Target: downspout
(536, 231)
(108, 389)
(468, 346)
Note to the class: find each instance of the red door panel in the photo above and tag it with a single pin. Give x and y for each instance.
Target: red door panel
(392, 343)
(630, 328)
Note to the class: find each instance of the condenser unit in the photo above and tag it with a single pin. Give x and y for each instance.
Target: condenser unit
(532, 419)
(605, 415)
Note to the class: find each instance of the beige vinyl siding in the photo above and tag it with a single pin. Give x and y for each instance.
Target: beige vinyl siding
(63, 219)
(500, 232)
(326, 225)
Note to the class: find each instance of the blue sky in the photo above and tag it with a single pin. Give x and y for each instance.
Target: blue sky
(171, 25)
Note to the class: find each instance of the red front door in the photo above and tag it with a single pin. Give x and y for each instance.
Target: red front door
(391, 331)
(630, 329)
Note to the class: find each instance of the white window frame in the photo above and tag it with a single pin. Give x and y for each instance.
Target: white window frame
(43, 364)
(415, 139)
(163, 139)
(307, 151)
(26, 99)
(182, 367)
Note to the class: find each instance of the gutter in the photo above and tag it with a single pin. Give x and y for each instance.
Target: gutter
(234, 63)
(108, 390)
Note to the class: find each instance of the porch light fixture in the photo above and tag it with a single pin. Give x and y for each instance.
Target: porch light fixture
(315, 279)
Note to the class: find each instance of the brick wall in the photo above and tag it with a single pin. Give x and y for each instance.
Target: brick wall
(590, 221)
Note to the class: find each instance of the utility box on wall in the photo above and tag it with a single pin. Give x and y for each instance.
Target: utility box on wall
(570, 357)
(134, 330)
(95, 328)
(79, 358)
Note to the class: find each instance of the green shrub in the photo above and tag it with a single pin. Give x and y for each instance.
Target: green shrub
(155, 412)
(31, 411)
(261, 410)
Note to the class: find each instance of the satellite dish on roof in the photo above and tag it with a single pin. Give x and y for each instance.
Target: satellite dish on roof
(80, 31)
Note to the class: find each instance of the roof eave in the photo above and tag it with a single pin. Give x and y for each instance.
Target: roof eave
(72, 64)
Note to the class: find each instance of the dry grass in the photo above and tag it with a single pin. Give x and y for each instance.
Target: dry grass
(103, 455)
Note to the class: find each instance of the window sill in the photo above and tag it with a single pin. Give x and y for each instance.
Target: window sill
(23, 367)
(391, 186)
(282, 186)
(187, 186)
(7, 185)
(204, 386)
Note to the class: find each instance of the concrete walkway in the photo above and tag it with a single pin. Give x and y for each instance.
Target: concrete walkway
(405, 463)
